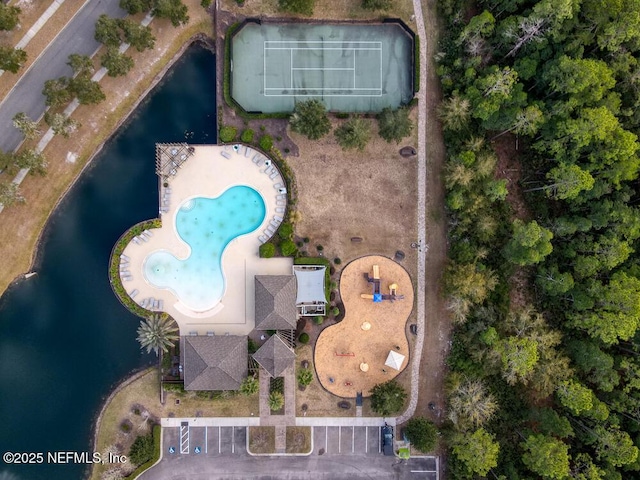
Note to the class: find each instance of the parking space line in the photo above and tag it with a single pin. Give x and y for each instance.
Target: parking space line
(206, 446)
(219, 440)
(366, 437)
(233, 439)
(353, 438)
(326, 437)
(339, 439)
(380, 440)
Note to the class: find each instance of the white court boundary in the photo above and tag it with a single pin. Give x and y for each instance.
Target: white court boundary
(357, 46)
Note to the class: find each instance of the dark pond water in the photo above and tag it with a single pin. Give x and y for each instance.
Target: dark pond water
(65, 340)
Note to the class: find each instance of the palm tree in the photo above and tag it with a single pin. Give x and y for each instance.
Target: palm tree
(276, 401)
(249, 386)
(158, 332)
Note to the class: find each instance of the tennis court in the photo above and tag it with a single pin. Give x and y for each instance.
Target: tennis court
(352, 68)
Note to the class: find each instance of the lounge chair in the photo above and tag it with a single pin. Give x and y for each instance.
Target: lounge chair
(160, 304)
(260, 162)
(144, 238)
(136, 240)
(278, 218)
(247, 151)
(280, 209)
(273, 175)
(134, 293)
(262, 238)
(143, 302)
(281, 203)
(274, 223)
(281, 196)
(125, 257)
(277, 185)
(127, 279)
(225, 154)
(149, 233)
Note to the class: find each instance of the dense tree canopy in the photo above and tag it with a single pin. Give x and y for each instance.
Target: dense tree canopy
(543, 277)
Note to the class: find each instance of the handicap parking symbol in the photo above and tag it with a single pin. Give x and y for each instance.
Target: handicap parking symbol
(172, 450)
(196, 450)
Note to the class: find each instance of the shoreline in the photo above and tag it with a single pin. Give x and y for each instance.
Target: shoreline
(132, 377)
(35, 259)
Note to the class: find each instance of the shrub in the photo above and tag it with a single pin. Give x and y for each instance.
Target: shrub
(421, 433)
(310, 119)
(262, 128)
(319, 248)
(276, 401)
(337, 261)
(141, 450)
(354, 133)
(266, 142)
(306, 239)
(394, 125)
(335, 311)
(318, 319)
(267, 250)
(125, 426)
(304, 338)
(285, 231)
(305, 377)
(278, 138)
(305, 7)
(288, 248)
(228, 134)
(247, 136)
(205, 3)
(333, 286)
(387, 398)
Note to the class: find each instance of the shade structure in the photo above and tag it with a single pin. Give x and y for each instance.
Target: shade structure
(310, 283)
(365, 326)
(394, 360)
(364, 367)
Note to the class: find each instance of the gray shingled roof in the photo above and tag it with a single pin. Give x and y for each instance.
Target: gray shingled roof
(274, 356)
(275, 302)
(215, 363)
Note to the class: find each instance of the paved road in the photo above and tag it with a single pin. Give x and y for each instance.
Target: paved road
(339, 453)
(76, 37)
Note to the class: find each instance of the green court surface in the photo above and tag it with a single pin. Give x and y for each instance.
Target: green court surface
(351, 68)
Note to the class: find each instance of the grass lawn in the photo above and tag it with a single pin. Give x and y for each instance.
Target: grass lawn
(329, 9)
(262, 440)
(135, 399)
(298, 439)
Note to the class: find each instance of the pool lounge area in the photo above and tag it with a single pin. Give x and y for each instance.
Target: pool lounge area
(217, 205)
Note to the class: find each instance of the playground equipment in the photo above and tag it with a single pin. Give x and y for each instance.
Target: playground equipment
(377, 296)
(364, 367)
(365, 326)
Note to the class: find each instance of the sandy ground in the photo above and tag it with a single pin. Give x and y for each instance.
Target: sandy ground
(342, 349)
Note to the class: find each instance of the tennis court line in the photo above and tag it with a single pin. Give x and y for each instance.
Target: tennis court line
(374, 92)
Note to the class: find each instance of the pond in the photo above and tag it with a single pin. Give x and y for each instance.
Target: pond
(65, 340)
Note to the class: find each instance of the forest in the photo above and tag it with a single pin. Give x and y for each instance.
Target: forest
(543, 279)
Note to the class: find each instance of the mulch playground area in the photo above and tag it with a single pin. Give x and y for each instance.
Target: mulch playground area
(366, 348)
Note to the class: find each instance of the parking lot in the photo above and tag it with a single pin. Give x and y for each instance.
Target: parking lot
(339, 453)
(190, 440)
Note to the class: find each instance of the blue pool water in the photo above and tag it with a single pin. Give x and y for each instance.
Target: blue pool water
(207, 225)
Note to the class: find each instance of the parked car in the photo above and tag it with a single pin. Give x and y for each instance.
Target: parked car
(413, 328)
(387, 440)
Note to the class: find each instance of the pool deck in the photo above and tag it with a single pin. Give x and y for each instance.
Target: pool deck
(208, 173)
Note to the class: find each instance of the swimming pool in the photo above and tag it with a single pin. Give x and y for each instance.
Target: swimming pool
(207, 225)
